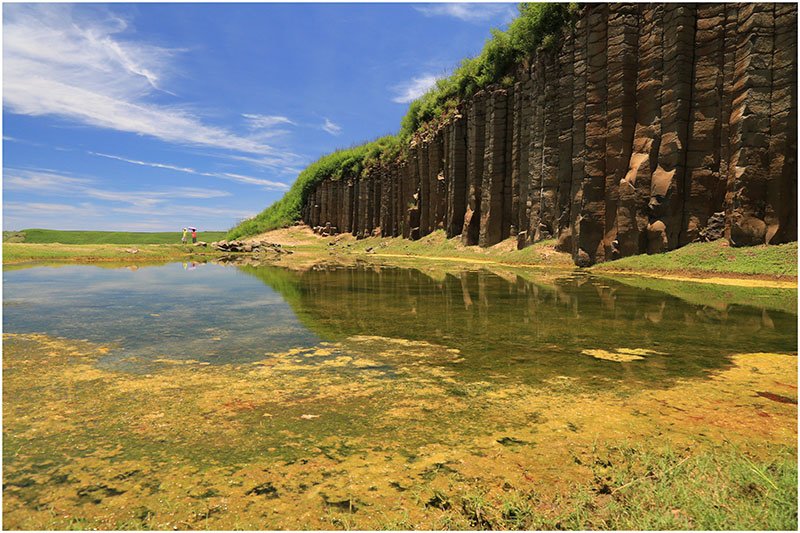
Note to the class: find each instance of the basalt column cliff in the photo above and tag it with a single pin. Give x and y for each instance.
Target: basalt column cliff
(643, 128)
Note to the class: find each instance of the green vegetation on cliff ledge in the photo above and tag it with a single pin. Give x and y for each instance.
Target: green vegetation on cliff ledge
(537, 25)
(346, 162)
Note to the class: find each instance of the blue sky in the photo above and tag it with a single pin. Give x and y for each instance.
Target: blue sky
(151, 117)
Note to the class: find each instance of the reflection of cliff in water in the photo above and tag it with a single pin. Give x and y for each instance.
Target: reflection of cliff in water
(508, 326)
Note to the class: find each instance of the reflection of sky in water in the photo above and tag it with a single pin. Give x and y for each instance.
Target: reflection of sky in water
(211, 313)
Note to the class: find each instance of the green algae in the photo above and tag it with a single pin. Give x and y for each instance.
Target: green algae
(231, 446)
(410, 406)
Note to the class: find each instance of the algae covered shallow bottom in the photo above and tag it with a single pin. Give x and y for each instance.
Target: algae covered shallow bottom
(203, 396)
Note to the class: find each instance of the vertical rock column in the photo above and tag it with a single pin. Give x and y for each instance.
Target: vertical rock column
(476, 142)
(533, 201)
(667, 187)
(423, 162)
(704, 189)
(548, 213)
(456, 175)
(520, 170)
(414, 199)
(437, 181)
(566, 71)
(781, 209)
(634, 189)
(592, 216)
(349, 192)
(492, 193)
(568, 238)
(623, 37)
(748, 171)
(508, 214)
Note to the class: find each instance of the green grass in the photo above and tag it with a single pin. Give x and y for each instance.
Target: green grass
(636, 488)
(437, 244)
(92, 253)
(713, 257)
(104, 237)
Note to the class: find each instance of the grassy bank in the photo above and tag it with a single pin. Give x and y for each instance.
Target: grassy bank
(39, 236)
(16, 253)
(765, 266)
(713, 258)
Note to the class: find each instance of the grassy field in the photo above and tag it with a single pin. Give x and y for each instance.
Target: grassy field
(713, 257)
(640, 488)
(103, 237)
(16, 253)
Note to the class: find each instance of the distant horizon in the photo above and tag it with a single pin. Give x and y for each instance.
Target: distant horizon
(137, 117)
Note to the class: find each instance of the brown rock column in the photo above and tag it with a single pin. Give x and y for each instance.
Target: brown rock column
(781, 206)
(536, 148)
(520, 145)
(634, 189)
(456, 175)
(623, 45)
(436, 189)
(704, 188)
(568, 238)
(492, 188)
(592, 216)
(748, 171)
(476, 142)
(423, 161)
(348, 205)
(548, 213)
(668, 182)
(566, 72)
(414, 190)
(508, 214)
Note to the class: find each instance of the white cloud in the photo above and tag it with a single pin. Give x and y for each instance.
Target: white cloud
(66, 186)
(52, 209)
(72, 62)
(411, 90)
(264, 184)
(469, 12)
(255, 121)
(145, 163)
(332, 128)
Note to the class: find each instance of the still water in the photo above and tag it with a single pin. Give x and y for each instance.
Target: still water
(149, 396)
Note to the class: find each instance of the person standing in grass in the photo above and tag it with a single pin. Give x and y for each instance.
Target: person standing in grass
(194, 235)
(183, 237)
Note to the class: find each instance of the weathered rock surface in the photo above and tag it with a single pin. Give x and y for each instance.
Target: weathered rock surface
(647, 127)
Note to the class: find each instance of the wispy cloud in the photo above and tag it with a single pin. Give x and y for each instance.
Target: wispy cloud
(469, 12)
(413, 89)
(331, 127)
(255, 121)
(71, 62)
(50, 209)
(54, 184)
(249, 180)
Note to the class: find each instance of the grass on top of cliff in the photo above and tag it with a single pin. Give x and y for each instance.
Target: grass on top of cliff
(714, 257)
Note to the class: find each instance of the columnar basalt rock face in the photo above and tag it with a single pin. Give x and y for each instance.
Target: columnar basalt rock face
(647, 127)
